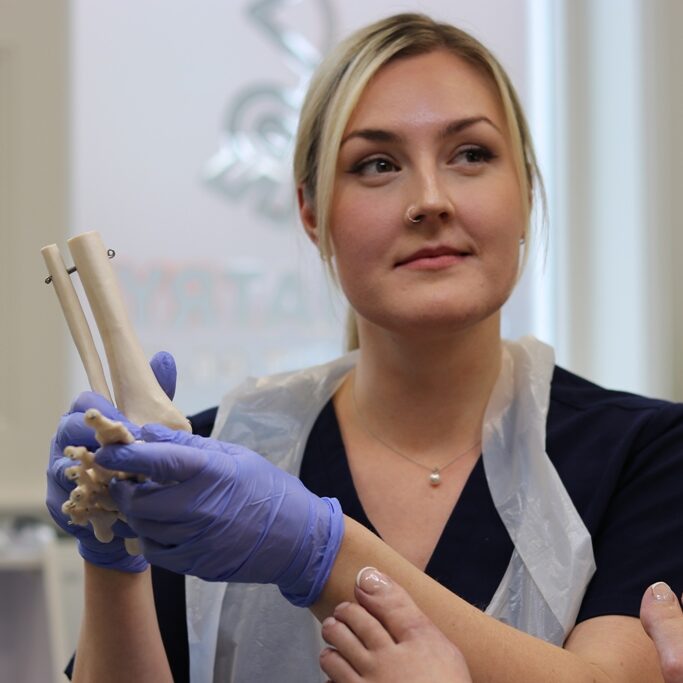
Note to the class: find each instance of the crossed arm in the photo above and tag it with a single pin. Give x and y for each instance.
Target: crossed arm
(600, 650)
(120, 638)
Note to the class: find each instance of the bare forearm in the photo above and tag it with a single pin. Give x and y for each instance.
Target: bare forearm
(120, 638)
(494, 652)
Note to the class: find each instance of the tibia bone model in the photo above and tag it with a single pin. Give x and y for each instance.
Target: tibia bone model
(136, 391)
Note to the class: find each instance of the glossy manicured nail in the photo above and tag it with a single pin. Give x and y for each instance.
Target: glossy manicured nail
(662, 592)
(371, 580)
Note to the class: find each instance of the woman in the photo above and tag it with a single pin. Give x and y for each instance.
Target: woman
(415, 178)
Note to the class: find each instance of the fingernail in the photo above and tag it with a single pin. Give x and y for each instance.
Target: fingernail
(341, 606)
(329, 621)
(371, 580)
(661, 591)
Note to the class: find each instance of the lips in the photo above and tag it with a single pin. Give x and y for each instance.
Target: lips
(434, 256)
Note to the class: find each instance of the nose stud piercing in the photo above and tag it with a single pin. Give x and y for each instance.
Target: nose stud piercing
(417, 218)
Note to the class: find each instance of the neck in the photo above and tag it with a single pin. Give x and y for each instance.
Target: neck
(423, 393)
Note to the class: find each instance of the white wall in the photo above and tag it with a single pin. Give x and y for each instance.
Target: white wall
(34, 182)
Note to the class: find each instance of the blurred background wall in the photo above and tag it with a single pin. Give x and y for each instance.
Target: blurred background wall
(166, 126)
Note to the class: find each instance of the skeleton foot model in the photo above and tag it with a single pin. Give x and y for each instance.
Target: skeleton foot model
(90, 500)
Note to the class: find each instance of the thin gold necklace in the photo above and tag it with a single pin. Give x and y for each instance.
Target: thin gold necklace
(434, 472)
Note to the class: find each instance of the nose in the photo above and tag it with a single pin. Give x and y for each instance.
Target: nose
(431, 199)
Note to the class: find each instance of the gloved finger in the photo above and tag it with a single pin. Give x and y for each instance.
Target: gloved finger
(169, 556)
(161, 462)
(155, 510)
(205, 562)
(89, 399)
(127, 495)
(123, 529)
(73, 430)
(57, 472)
(164, 369)
(59, 487)
(176, 558)
(55, 498)
(157, 433)
(168, 533)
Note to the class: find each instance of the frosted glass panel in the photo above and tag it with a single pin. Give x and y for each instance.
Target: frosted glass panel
(183, 119)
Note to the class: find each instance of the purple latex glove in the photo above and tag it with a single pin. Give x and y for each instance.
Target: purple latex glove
(223, 513)
(72, 431)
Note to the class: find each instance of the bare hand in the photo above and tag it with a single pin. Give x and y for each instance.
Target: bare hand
(662, 619)
(387, 639)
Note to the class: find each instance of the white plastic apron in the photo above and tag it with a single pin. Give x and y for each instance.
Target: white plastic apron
(247, 633)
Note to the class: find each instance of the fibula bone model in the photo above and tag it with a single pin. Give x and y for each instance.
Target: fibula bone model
(137, 393)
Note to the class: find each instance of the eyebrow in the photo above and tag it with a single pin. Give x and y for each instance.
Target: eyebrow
(380, 135)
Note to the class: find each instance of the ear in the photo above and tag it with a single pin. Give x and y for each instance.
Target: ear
(307, 215)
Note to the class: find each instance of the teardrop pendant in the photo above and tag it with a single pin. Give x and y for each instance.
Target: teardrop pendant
(435, 477)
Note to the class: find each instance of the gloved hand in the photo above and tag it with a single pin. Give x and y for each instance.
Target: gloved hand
(223, 513)
(72, 431)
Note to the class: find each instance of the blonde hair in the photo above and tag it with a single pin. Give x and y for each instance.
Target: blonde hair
(338, 85)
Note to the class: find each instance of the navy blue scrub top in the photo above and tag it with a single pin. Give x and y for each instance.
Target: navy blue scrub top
(620, 457)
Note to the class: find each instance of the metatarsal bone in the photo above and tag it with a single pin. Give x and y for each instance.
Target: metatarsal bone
(90, 500)
(107, 431)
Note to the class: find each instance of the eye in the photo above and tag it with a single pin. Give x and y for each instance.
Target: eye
(374, 166)
(475, 155)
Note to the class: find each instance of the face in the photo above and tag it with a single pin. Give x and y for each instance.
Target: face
(427, 140)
